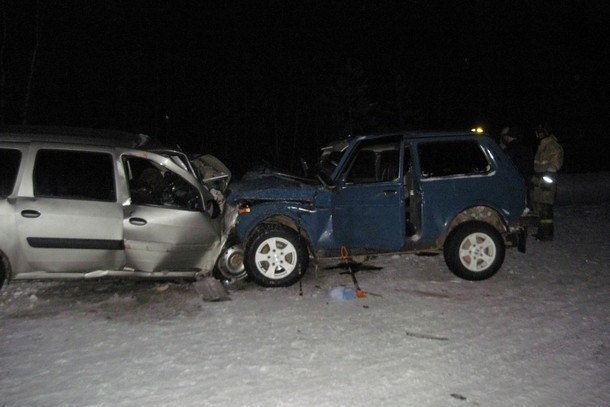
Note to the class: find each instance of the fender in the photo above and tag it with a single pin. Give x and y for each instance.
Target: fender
(289, 213)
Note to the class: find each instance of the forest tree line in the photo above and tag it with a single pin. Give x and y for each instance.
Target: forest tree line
(276, 80)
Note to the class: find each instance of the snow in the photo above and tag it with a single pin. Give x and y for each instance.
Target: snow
(536, 334)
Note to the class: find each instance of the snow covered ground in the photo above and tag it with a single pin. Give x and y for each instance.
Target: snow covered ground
(536, 334)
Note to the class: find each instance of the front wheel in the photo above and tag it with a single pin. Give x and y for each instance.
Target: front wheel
(474, 251)
(3, 274)
(276, 256)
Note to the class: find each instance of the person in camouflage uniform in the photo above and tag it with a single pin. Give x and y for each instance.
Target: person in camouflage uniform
(521, 154)
(547, 161)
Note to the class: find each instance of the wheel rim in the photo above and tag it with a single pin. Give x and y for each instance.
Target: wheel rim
(477, 252)
(276, 258)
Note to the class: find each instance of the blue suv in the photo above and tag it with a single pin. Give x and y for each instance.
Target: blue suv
(408, 192)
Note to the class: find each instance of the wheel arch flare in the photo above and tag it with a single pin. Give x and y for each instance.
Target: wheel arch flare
(476, 213)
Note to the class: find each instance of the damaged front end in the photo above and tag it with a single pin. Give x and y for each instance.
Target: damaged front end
(230, 264)
(216, 177)
(272, 195)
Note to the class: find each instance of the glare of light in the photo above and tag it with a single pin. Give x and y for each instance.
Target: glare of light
(547, 179)
(477, 130)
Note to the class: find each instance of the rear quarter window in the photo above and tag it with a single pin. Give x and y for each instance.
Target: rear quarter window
(441, 159)
(74, 175)
(9, 167)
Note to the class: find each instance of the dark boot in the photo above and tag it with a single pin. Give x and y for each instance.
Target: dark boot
(550, 231)
(545, 231)
(546, 227)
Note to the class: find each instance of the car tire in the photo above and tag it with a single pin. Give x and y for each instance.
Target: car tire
(228, 266)
(2, 272)
(474, 251)
(276, 256)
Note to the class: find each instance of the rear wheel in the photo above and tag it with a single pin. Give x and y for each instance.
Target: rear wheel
(276, 256)
(474, 251)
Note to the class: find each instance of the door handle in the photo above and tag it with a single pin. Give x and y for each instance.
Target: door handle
(390, 192)
(30, 213)
(137, 221)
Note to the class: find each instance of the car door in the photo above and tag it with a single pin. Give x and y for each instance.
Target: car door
(69, 219)
(413, 195)
(368, 205)
(165, 224)
(454, 175)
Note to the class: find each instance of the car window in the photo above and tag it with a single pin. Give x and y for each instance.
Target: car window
(9, 166)
(74, 175)
(374, 163)
(151, 184)
(440, 159)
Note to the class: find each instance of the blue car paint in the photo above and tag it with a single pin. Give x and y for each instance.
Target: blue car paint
(264, 187)
(372, 216)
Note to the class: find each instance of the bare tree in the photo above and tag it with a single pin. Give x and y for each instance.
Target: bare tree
(28, 91)
(2, 72)
(349, 96)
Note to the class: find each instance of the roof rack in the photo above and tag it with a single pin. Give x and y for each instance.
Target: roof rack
(90, 136)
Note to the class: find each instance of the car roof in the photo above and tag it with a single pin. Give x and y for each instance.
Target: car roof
(341, 144)
(76, 135)
(420, 134)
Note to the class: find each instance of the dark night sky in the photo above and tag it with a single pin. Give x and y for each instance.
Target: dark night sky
(275, 79)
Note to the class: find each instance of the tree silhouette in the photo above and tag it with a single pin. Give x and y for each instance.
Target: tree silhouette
(2, 66)
(350, 100)
(33, 60)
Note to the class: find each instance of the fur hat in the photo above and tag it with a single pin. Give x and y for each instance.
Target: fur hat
(542, 129)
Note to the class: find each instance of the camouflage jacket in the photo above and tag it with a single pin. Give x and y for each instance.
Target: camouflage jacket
(549, 156)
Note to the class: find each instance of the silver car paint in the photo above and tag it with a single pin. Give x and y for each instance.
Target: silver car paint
(175, 241)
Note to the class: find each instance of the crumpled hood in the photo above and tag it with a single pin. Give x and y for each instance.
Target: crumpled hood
(271, 187)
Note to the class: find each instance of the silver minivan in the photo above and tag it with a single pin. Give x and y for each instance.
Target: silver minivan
(81, 203)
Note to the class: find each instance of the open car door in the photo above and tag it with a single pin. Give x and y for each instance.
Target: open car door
(168, 224)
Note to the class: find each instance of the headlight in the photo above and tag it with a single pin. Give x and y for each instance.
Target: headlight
(243, 208)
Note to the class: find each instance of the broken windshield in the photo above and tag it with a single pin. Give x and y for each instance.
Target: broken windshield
(330, 158)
